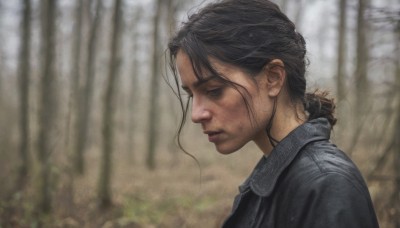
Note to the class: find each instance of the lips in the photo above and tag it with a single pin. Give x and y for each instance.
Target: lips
(213, 136)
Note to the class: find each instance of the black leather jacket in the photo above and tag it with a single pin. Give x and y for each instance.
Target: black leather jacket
(307, 182)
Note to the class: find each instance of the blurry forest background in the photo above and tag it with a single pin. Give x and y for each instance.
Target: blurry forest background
(87, 122)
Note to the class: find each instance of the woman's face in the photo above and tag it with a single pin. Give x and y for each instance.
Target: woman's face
(221, 109)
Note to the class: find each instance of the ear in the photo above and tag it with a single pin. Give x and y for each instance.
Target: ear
(276, 76)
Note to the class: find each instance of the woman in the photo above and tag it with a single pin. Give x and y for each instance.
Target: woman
(242, 64)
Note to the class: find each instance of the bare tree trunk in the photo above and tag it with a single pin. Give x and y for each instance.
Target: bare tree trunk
(1, 62)
(108, 112)
(172, 7)
(171, 24)
(341, 70)
(76, 66)
(73, 102)
(1, 80)
(1, 67)
(48, 103)
(85, 100)
(341, 61)
(396, 193)
(24, 92)
(361, 76)
(134, 84)
(154, 91)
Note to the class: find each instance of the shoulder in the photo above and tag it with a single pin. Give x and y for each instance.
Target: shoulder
(322, 160)
(322, 182)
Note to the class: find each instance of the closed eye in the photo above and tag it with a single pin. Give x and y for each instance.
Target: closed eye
(215, 93)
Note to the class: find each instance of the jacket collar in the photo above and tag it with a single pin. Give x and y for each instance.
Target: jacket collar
(265, 175)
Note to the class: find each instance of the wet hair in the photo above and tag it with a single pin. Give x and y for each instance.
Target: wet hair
(248, 34)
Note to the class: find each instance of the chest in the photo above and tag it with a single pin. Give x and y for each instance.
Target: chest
(251, 210)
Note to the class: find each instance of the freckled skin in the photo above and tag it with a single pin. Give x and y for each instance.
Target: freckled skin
(220, 109)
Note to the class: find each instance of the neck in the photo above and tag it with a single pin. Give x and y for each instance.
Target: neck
(286, 119)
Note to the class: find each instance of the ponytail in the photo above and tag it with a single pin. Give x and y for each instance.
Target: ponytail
(318, 104)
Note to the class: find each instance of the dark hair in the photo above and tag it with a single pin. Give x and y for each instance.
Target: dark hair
(248, 34)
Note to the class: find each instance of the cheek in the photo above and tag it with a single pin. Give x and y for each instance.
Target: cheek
(254, 121)
(237, 115)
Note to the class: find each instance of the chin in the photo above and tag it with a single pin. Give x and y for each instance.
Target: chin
(225, 150)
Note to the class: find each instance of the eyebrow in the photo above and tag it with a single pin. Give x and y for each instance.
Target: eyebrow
(201, 82)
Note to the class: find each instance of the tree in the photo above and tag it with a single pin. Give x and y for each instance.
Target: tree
(24, 92)
(361, 75)
(173, 6)
(134, 82)
(395, 199)
(1, 66)
(341, 51)
(108, 111)
(386, 168)
(85, 100)
(48, 103)
(75, 78)
(152, 137)
(74, 99)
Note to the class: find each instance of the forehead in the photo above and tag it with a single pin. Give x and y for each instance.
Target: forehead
(223, 71)
(185, 68)
(183, 62)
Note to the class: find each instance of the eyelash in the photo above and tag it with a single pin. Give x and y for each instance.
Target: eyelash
(214, 93)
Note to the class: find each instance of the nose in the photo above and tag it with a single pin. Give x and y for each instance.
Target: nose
(200, 113)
